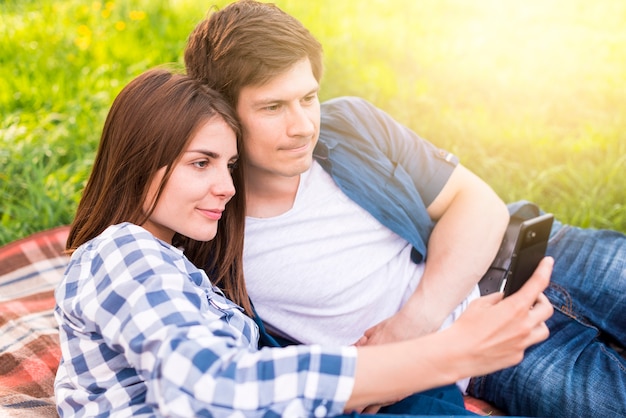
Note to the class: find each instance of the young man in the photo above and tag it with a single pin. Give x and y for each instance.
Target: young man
(344, 205)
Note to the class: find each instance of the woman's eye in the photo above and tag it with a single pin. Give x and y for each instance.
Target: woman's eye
(201, 164)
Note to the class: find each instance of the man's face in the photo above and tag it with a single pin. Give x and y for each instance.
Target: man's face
(281, 122)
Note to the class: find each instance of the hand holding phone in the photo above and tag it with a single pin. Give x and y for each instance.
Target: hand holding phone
(523, 247)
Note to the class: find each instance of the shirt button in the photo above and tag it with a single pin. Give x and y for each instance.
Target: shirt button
(320, 411)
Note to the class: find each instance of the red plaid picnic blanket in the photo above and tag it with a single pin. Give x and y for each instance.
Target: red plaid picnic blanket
(30, 269)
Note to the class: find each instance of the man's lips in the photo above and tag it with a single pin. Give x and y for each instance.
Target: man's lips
(297, 148)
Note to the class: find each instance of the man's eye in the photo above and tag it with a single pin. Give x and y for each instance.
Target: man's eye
(310, 98)
(233, 166)
(272, 108)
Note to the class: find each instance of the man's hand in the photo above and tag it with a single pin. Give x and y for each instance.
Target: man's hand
(399, 327)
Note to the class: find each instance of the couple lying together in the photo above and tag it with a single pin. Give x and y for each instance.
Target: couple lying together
(357, 239)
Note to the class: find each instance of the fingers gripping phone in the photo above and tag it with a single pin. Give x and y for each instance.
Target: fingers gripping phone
(523, 247)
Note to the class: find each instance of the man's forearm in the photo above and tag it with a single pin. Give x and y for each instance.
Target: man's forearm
(462, 245)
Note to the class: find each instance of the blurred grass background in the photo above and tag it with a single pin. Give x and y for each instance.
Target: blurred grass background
(530, 94)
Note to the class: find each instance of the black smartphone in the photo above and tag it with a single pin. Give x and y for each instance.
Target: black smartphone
(530, 248)
(523, 247)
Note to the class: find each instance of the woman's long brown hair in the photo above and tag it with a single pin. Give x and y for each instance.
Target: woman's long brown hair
(148, 127)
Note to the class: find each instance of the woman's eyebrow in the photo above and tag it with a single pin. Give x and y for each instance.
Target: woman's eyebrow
(211, 154)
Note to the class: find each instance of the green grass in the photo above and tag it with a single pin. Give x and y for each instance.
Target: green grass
(530, 94)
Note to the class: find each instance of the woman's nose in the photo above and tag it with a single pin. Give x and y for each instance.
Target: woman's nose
(224, 185)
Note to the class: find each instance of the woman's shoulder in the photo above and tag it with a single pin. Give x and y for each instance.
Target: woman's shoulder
(124, 231)
(125, 251)
(125, 241)
(125, 235)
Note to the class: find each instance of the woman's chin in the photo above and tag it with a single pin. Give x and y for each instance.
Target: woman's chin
(202, 236)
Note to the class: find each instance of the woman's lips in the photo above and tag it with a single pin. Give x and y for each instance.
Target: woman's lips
(213, 214)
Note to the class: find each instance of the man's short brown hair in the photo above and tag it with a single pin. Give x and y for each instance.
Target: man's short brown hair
(247, 44)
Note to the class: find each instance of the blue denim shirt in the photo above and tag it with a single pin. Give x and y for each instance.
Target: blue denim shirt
(387, 169)
(383, 166)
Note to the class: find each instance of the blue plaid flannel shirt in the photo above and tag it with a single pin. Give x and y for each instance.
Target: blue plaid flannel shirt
(144, 333)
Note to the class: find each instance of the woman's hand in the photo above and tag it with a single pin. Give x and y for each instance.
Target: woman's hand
(490, 335)
(496, 331)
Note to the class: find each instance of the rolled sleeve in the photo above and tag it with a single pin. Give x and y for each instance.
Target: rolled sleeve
(384, 167)
(379, 137)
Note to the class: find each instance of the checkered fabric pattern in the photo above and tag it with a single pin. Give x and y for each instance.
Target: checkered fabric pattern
(143, 331)
(30, 269)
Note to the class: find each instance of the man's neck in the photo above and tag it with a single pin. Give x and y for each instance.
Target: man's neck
(269, 196)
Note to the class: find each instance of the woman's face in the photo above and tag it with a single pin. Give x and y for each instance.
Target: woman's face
(199, 187)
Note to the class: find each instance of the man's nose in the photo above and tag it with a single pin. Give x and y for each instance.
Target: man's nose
(300, 122)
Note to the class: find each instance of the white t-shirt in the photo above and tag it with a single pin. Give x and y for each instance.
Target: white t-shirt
(327, 270)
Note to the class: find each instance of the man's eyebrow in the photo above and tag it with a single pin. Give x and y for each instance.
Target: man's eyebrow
(269, 100)
(315, 89)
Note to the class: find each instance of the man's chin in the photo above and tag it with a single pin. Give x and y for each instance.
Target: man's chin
(286, 168)
(300, 167)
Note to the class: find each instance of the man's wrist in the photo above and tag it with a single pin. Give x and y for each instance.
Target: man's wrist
(428, 317)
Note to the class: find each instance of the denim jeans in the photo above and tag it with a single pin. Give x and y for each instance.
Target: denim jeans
(445, 401)
(575, 372)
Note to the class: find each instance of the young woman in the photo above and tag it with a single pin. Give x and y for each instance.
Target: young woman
(145, 332)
